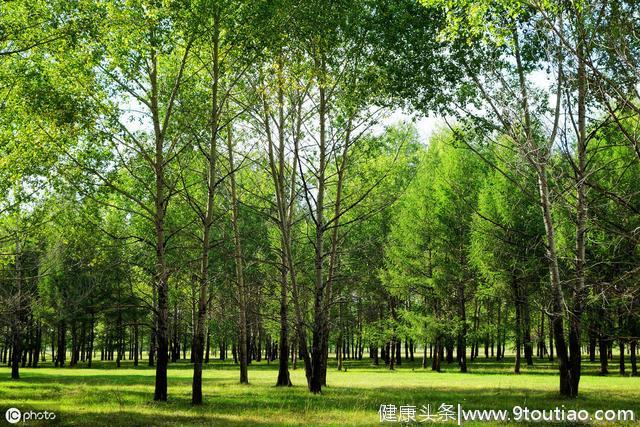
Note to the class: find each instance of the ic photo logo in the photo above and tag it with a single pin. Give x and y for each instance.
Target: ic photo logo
(14, 415)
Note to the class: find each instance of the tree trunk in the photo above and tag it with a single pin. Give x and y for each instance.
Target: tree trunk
(498, 326)
(518, 326)
(91, 340)
(575, 342)
(153, 339)
(62, 343)
(632, 357)
(592, 347)
(38, 345)
(286, 207)
(158, 213)
(119, 339)
(339, 354)
(526, 325)
(622, 363)
(284, 379)
(16, 324)
(135, 344)
(242, 321)
(17, 351)
(392, 354)
(162, 333)
(518, 329)
(208, 347)
(539, 161)
(207, 222)
(462, 336)
(437, 354)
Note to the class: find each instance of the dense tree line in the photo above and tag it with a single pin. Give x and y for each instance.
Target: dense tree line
(218, 179)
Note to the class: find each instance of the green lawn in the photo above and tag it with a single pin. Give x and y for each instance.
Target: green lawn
(109, 396)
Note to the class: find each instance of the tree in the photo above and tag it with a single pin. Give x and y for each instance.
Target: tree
(142, 61)
(508, 239)
(445, 199)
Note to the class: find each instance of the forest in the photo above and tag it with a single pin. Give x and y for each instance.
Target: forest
(284, 212)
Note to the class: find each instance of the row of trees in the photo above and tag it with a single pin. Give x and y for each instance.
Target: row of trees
(188, 176)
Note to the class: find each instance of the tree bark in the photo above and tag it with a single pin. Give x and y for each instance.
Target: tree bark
(526, 325)
(135, 344)
(518, 326)
(633, 358)
(317, 362)
(161, 273)
(91, 340)
(284, 379)
(207, 223)
(16, 324)
(462, 335)
(237, 253)
(539, 162)
(285, 204)
(575, 329)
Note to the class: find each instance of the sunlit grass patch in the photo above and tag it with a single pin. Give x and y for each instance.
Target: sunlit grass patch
(113, 397)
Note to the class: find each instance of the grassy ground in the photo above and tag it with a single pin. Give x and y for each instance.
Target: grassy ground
(114, 397)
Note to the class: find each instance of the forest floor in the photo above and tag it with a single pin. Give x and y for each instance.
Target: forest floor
(118, 397)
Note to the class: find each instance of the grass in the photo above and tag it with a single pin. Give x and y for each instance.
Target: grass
(106, 396)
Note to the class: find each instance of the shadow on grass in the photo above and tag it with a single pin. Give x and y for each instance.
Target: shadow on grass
(221, 409)
(111, 398)
(118, 397)
(480, 365)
